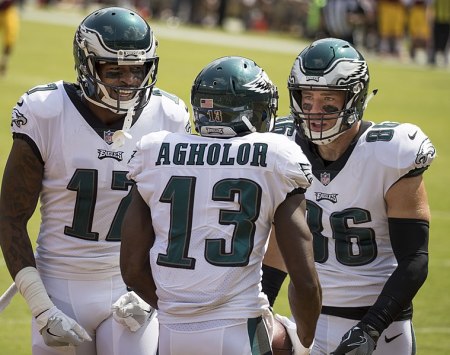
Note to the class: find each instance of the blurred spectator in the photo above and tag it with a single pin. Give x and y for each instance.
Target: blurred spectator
(340, 18)
(440, 15)
(314, 26)
(9, 25)
(391, 26)
(369, 31)
(418, 26)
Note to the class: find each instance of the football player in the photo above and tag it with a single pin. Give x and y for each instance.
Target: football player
(367, 205)
(71, 145)
(203, 207)
(9, 24)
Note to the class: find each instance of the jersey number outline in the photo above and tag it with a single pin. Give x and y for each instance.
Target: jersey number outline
(85, 183)
(354, 246)
(179, 193)
(382, 132)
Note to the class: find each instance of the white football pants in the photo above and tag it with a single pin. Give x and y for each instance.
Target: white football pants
(89, 303)
(398, 338)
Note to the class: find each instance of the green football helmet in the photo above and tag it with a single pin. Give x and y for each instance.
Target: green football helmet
(120, 36)
(233, 96)
(329, 64)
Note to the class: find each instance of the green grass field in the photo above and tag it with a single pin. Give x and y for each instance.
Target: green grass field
(407, 93)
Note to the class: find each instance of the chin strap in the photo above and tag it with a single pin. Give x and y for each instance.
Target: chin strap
(249, 125)
(119, 136)
(369, 97)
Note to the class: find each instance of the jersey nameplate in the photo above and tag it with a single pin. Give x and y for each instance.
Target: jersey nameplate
(212, 154)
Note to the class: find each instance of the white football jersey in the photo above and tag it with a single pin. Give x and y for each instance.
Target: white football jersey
(346, 210)
(85, 189)
(212, 203)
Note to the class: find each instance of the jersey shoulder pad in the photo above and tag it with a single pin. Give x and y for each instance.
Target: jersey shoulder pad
(38, 105)
(168, 98)
(142, 156)
(172, 108)
(151, 139)
(284, 125)
(412, 149)
(292, 163)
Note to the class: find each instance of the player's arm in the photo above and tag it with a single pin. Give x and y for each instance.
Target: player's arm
(274, 271)
(408, 216)
(137, 239)
(295, 243)
(22, 181)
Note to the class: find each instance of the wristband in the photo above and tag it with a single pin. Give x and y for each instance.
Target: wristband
(30, 286)
(272, 280)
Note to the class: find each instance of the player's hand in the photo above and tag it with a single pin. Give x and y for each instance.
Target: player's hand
(360, 340)
(132, 311)
(291, 329)
(57, 329)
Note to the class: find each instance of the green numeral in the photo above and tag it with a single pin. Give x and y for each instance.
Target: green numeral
(354, 246)
(180, 191)
(85, 183)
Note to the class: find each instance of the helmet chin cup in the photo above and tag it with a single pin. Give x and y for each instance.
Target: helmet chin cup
(323, 137)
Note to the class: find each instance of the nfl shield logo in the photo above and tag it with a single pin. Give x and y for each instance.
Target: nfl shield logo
(325, 178)
(107, 136)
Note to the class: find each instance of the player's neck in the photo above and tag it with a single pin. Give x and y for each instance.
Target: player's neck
(334, 150)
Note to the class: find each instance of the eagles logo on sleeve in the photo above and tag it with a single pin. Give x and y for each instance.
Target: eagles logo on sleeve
(18, 118)
(306, 168)
(426, 154)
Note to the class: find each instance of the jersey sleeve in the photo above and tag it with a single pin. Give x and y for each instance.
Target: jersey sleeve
(34, 113)
(141, 164)
(293, 166)
(176, 112)
(404, 147)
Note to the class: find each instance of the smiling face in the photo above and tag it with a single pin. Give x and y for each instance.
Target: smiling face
(123, 77)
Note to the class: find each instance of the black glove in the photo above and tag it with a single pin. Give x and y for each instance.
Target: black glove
(360, 340)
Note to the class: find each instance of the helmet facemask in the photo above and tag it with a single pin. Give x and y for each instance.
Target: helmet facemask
(96, 91)
(345, 116)
(120, 37)
(99, 94)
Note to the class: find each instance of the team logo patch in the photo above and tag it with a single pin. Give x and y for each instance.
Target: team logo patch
(107, 136)
(325, 196)
(103, 154)
(313, 78)
(206, 103)
(214, 130)
(426, 153)
(18, 118)
(325, 178)
(306, 168)
(260, 84)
